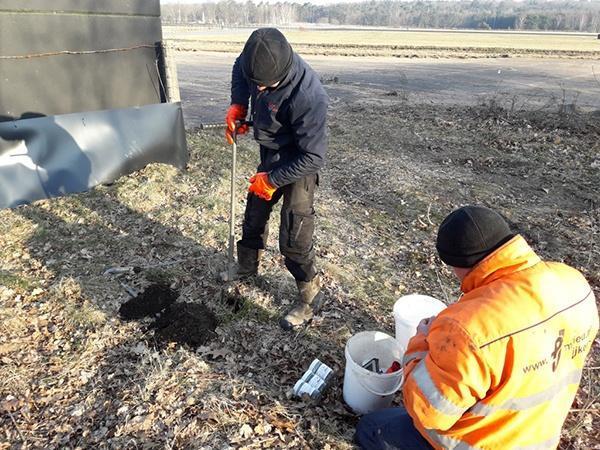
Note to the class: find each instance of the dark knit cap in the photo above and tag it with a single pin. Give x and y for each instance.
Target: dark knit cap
(267, 56)
(469, 234)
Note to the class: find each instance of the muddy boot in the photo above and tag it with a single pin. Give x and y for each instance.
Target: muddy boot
(310, 301)
(247, 264)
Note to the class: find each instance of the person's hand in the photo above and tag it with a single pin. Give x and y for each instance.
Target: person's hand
(261, 186)
(424, 325)
(235, 114)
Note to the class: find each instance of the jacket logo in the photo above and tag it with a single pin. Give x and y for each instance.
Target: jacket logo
(557, 350)
(272, 107)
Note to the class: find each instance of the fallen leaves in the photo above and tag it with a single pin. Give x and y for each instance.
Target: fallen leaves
(246, 431)
(281, 424)
(9, 403)
(263, 428)
(72, 374)
(6, 349)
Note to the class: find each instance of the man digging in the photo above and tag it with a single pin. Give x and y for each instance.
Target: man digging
(288, 111)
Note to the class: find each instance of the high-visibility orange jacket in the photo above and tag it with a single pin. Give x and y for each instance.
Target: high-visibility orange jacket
(499, 368)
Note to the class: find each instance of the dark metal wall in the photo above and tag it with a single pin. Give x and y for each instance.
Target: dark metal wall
(131, 7)
(65, 56)
(80, 96)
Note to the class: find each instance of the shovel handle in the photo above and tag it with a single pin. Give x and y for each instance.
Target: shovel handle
(230, 259)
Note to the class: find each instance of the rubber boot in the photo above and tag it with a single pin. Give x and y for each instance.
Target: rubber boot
(247, 264)
(309, 303)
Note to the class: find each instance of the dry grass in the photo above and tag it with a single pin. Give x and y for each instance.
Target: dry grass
(72, 375)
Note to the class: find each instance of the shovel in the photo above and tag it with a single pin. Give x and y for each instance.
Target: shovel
(230, 259)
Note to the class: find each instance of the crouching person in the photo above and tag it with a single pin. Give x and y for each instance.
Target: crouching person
(501, 366)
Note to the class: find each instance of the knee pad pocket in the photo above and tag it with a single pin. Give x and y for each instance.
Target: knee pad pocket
(297, 233)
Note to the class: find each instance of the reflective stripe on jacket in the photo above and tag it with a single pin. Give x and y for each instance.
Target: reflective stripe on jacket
(499, 369)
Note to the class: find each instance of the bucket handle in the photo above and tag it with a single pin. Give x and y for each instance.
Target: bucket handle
(382, 394)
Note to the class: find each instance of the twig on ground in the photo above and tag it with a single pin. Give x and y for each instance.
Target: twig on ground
(171, 445)
(170, 263)
(259, 443)
(437, 274)
(360, 198)
(428, 215)
(590, 389)
(16, 427)
(131, 291)
(586, 408)
(119, 270)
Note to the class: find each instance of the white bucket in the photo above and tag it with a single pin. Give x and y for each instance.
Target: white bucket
(409, 311)
(366, 391)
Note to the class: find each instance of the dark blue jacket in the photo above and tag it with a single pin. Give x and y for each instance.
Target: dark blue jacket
(289, 121)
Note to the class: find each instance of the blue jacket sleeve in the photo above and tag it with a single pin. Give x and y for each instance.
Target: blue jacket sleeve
(308, 118)
(240, 90)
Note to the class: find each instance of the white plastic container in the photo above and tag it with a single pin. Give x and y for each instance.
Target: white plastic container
(321, 370)
(302, 388)
(366, 391)
(409, 311)
(314, 380)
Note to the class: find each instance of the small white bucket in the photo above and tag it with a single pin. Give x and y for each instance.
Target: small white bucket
(366, 391)
(409, 311)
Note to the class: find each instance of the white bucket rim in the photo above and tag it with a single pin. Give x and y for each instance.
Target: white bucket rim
(416, 296)
(361, 370)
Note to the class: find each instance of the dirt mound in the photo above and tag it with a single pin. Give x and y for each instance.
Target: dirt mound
(185, 323)
(151, 301)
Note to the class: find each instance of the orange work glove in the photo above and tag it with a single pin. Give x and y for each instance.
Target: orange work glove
(235, 113)
(261, 186)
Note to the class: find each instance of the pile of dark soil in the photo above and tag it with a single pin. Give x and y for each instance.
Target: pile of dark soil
(185, 323)
(151, 301)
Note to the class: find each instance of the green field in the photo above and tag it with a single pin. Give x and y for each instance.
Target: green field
(385, 43)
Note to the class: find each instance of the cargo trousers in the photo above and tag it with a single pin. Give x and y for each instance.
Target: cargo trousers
(296, 229)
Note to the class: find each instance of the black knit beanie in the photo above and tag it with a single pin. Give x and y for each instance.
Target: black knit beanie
(469, 234)
(267, 56)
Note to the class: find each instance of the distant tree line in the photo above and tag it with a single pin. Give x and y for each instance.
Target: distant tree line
(497, 15)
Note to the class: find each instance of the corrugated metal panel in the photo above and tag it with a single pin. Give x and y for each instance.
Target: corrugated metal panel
(62, 63)
(65, 84)
(32, 34)
(92, 68)
(137, 7)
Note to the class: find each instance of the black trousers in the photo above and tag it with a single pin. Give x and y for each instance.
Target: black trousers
(296, 229)
(389, 429)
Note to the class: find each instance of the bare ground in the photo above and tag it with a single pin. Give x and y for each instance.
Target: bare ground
(522, 83)
(396, 51)
(74, 375)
